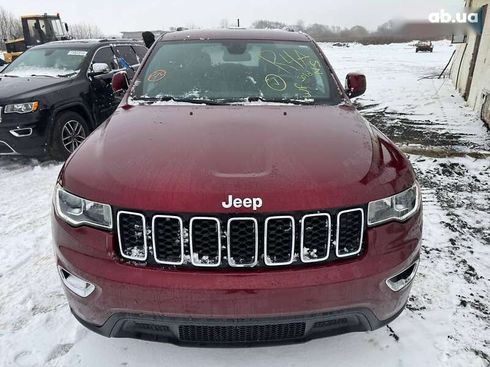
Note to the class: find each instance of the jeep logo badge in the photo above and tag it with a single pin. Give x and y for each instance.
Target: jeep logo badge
(253, 203)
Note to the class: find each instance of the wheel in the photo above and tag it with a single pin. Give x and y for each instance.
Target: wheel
(69, 131)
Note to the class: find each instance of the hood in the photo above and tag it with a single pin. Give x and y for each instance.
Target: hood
(190, 158)
(12, 88)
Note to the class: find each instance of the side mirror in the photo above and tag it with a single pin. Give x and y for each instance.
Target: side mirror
(66, 27)
(120, 81)
(355, 84)
(100, 68)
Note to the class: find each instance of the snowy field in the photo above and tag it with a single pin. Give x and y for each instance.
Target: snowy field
(447, 321)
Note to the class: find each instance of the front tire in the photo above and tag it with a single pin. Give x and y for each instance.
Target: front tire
(69, 131)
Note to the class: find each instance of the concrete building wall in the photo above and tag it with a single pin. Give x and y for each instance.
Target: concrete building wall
(478, 97)
(480, 87)
(461, 65)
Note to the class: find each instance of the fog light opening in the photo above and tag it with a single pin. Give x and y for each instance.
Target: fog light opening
(21, 133)
(404, 278)
(75, 284)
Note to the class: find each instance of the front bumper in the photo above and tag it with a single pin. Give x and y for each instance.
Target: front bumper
(237, 332)
(161, 304)
(24, 134)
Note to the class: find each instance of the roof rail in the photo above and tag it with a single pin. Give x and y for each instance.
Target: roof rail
(114, 39)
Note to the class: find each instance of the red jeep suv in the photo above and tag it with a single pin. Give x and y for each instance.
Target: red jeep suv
(236, 197)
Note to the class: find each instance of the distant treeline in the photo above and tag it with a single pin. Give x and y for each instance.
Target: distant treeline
(389, 32)
(10, 26)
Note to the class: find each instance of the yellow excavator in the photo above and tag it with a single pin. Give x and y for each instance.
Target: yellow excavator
(36, 29)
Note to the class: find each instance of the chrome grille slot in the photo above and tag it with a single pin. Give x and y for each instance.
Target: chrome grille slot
(205, 241)
(350, 228)
(168, 239)
(315, 237)
(243, 242)
(279, 235)
(131, 231)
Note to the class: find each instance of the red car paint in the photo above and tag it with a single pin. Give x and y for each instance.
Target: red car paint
(143, 157)
(90, 253)
(188, 159)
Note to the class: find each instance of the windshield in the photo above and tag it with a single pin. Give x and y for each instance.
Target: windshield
(52, 62)
(58, 28)
(235, 71)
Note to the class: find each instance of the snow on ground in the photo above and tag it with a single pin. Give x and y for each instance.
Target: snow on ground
(413, 110)
(447, 320)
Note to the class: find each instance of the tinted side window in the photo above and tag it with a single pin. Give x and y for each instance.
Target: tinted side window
(127, 53)
(140, 51)
(105, 55)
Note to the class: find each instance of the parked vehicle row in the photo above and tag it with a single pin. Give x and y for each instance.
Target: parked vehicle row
(54, 95)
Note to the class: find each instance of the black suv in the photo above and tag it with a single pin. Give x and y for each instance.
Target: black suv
(55, 94)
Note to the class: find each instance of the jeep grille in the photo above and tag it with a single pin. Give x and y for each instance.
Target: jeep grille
(240, 241)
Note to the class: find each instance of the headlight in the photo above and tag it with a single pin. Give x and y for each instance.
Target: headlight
(77, 211)
(397, 207)
(21, 107)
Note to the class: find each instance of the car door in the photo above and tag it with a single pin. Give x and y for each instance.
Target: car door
(140, 52)
(127, 59)
(103, 99)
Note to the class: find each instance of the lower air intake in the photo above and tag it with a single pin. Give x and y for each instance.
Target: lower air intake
(241, 334)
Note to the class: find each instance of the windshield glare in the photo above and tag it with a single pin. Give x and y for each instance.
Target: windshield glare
(53, 62)
(236, 71)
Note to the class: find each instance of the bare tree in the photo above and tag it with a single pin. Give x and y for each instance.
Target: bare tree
(268, 24)
(85, 31)
(300, 25)
(320, 31)
(386, 28)
(10, 26)
(358, 32)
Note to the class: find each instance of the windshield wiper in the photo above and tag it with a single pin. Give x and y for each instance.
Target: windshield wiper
(180, 99)
(213, 102)
(45, 75)
(67, 75)
(279, 100)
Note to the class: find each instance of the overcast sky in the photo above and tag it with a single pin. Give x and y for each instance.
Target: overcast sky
(114, 16)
